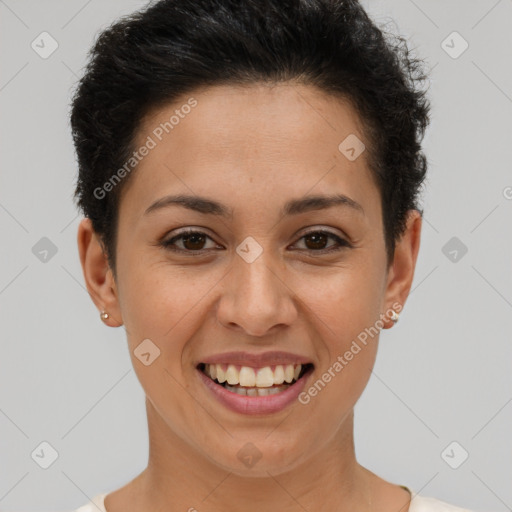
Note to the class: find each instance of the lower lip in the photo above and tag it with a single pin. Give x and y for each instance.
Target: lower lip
(255, 404)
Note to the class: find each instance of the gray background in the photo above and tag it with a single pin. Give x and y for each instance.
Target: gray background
(443, 373)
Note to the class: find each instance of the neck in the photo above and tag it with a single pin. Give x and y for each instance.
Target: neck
(179, 477)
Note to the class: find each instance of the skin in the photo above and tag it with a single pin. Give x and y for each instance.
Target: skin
(252, 148)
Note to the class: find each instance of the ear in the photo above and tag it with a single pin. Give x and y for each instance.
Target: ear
(401, 271)
(98, 275)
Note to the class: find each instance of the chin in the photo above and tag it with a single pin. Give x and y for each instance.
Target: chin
(261, 458)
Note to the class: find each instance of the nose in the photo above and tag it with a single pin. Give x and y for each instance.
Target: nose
(256, 298)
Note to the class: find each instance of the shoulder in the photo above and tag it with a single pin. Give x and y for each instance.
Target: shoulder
(428, 504)
(95, 505)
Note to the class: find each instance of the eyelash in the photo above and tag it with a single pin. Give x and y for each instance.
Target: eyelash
(168, 244)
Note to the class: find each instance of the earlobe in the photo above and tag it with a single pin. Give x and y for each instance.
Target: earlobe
(401, 273)
(98, 276)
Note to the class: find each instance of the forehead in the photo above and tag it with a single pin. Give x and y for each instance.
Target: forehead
(250, 141)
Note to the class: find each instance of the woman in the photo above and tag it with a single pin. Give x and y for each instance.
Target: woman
(249, 174)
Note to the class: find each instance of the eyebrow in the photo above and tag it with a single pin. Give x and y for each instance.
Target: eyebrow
(293, 207)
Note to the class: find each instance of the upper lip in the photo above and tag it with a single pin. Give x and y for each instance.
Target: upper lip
(256, 360)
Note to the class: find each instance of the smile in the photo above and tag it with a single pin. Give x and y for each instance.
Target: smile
(253, 390)
(249, 381)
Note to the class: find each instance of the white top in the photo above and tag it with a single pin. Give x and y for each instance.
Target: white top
(418, 504)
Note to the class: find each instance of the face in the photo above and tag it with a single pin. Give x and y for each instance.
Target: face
(268, 277)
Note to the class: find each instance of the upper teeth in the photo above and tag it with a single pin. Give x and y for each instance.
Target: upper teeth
(248, 376)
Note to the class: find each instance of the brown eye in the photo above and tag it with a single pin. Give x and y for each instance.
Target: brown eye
(192, 241)
(315, 241)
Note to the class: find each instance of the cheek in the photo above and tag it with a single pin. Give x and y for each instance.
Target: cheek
(153, 296)
(349, 343)
(344, 302)
(345, 310)
(165, 304)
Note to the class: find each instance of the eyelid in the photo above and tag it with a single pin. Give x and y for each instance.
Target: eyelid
(323, 229)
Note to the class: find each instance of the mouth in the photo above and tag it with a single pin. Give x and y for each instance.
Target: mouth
(254, 382)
